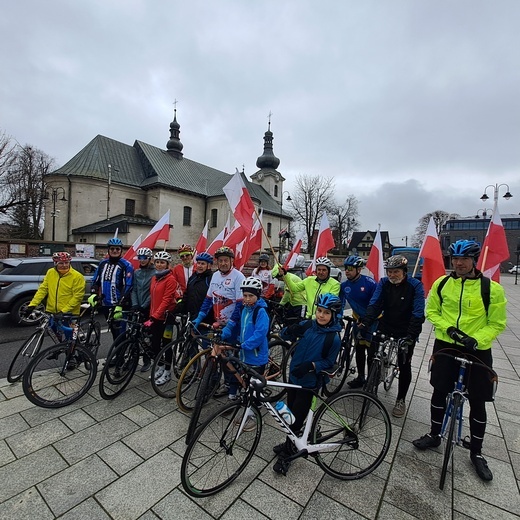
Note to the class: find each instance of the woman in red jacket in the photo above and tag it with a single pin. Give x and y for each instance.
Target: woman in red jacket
(164, 292)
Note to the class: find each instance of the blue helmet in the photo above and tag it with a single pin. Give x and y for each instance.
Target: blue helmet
(464, 248)
(115, 242)
(331, 302)
(354, 261)
(204, 257)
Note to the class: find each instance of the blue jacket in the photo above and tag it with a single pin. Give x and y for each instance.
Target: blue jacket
(310, 348)
(252, 336)
(114, 280)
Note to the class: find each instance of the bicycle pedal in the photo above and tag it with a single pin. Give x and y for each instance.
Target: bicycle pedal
(466, 443)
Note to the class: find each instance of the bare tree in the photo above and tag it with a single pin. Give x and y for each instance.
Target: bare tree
(344, 220)
(313, 196)
(25, 185)
(440, 218)
(8, 157)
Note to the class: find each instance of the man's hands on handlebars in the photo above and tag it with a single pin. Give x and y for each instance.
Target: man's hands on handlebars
(460, 337)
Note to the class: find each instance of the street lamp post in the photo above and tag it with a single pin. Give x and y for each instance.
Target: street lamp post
(496, 188)
(54, 193)
(288, 199)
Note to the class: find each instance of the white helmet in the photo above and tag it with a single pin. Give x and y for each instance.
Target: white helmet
(252, 285)
(163, 255)
(144, 251)
(323, 260)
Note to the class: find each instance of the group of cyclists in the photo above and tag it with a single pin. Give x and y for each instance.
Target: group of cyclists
(313, 306)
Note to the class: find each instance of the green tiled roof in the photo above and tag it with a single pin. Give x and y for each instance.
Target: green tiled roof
(120, 222)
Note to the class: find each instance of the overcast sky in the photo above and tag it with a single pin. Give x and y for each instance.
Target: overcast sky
(412, 106)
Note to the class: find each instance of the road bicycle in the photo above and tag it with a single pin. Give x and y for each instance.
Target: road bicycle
(49, 327)
(384, 367)
(451, 430)
(65, 372)
(348, 434)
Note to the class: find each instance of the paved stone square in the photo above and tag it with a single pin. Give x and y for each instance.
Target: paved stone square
(121, 459)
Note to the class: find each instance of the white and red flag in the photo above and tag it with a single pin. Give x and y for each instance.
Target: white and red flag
(375, 262)
(294, 252)
(202, 242)
(324, 242)
(255, 238)
(495, 249)
(235, 235)
(218, 241)
(240, 201)
(433, 263)
(130, 255)
(161, 231)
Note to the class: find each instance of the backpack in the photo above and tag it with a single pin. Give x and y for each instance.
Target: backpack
(485, 290)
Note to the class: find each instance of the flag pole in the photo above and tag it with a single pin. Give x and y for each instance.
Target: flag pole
(484, 258)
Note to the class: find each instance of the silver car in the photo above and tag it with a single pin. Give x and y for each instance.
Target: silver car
(21, 277)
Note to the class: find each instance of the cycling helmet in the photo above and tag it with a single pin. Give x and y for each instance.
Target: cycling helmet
(144, 251)
(300, 261)
(397, 262)
(354, 261)
(115, 242)
(163, 255)
(204, 257)
(323, 260)
(331, 302)
(224, 251)
(62, 256)
(464, 248)
(252, 285)
(185, 249)
(263, 257)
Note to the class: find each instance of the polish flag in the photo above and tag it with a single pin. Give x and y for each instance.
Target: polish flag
(161, 231)
(324, 242)
(240, 255)
(248, 247)
(433, 263)
(227, 227)
(202, 242)
(495, 249)
(294, 252)
(130, 255)
(236, 234)
(240, 201)
(217, 242)
(375, 259)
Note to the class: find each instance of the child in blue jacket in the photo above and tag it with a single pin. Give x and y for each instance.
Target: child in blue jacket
(314, 353)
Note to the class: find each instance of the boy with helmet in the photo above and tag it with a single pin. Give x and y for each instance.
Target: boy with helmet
(399, 298)
(184, 270)
(263, 273)
(316, 351)
(63, 286)
(457, 302)
(164, 293)
(313, 285)
(250, 331)
(141, 289)
(357, 290)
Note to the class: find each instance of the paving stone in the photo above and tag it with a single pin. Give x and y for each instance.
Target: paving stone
(391, 512)
(138, 490)
(478, 509)
(87, 510)
(28, 471)
(70, 487)
(101, 410)
(6, 455)
(78, 420)
(28, 505)
(14, 390)
(12, 406)
(120, 457)
(140, 415)
(36, 438)
(177, 505)
(86, 442)
(12, 425)
(241, 509)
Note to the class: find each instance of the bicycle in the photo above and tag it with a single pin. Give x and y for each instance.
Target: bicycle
(348, 434)
(384, 367)
(62, 374)
(451, 429)
(33, 345)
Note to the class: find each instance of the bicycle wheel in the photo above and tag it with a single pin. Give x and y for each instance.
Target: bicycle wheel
(119, 369)
(374, 377)
(217, 454)
(59, 375)
(391, 368)
(189, 381)
(336, 383)
(24, 356)
(450, 442)
(278, 351)
(360, 424)
(93, 340)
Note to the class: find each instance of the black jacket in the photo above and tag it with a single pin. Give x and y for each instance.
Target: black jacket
(194, 295)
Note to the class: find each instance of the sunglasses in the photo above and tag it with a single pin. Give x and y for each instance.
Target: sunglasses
(350, 268)
(114, 249)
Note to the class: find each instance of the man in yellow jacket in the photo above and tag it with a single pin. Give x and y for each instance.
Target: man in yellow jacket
(63, 286)
(464, 302)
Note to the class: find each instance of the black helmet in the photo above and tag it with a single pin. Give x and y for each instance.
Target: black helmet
(397, 262)
(263, 257)
(464, 248)
(224, 251)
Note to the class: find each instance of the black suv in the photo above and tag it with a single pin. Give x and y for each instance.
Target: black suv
(21, 277)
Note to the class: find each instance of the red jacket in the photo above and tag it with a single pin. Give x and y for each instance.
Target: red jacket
(164, 292)
(179, 272)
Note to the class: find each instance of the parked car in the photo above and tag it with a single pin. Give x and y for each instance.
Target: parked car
(21, 277)
(514, 269)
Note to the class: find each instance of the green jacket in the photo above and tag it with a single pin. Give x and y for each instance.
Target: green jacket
(293, 298)
(462, 307)
(64, 293)
(313, 289)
